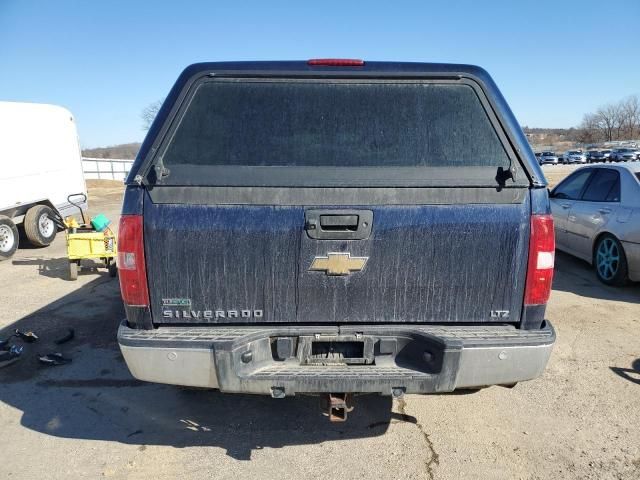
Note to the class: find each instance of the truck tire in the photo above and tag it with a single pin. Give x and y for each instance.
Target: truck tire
(8, 238)
(39, 226)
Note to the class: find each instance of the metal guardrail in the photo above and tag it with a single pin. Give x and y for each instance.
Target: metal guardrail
(106, 168)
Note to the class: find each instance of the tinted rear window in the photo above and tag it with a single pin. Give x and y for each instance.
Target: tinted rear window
(335, 124)
(604, 186)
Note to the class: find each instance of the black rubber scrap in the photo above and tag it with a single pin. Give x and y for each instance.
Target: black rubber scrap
(67, 337)
(7, 357)
(53, 359)
(28, 337)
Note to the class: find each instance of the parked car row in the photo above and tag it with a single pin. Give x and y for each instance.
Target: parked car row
(591, 156)
(624, 155)
(545, 158)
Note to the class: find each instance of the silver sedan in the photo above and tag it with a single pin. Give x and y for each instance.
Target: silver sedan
(596, 211)
(574, 156)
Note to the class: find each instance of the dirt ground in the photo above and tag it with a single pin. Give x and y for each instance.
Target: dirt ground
(90, 418)
(555, 173)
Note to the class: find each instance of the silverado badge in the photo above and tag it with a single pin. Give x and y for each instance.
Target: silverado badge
(338, 264)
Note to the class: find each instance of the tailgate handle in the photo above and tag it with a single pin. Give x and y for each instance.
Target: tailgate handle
(339, 222)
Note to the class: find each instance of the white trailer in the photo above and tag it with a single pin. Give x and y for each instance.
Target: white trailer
(40, 169)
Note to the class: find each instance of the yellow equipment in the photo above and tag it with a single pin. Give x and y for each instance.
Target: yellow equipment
(85, 242)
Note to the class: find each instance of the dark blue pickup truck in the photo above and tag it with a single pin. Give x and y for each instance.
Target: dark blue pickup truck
(335, 227)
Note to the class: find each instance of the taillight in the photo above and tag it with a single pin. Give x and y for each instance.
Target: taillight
(542, 247)
(131, 266)
(335, 62)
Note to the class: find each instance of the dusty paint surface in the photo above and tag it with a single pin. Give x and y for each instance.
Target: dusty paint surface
(435, 263)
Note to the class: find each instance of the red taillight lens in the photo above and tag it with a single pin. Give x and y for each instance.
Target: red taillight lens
(131, 267)
(335, 62)
(542, 248)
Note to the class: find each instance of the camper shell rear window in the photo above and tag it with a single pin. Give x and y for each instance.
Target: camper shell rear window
(333, 132)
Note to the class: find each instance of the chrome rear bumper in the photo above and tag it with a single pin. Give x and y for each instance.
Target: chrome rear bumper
(415, 359)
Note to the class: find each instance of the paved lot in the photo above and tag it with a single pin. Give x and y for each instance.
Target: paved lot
(91, 418)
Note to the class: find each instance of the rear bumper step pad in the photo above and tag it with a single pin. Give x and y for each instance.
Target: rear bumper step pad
(415, 359)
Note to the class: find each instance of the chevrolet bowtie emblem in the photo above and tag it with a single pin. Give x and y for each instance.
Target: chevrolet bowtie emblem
(338, 264)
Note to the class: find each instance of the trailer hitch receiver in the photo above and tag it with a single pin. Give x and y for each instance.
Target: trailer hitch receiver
(337, 405)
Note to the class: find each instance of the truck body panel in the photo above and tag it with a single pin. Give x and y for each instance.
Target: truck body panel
(316, 228)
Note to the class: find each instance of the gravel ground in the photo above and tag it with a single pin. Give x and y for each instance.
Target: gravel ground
(555, 173)
(91, 418)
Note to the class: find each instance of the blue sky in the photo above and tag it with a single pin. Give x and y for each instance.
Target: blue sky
(105, 61)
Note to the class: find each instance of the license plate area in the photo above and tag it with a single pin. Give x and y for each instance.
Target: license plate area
(336, 350)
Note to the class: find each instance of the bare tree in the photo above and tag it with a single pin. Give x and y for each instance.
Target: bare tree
(630, 116)
(608, 120)
(149, 113)
(590, 131)
(615, 121)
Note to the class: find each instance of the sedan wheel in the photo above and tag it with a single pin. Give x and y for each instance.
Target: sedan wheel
(610, 261)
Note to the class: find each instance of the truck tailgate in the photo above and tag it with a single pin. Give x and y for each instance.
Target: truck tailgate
(253, 263)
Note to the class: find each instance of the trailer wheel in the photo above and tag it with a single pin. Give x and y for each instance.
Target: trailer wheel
(8, 237)
(39, 225)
